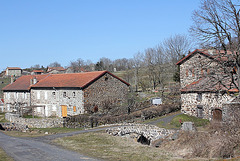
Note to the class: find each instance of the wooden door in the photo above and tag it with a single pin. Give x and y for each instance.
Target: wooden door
(217, 115)
(64, 110)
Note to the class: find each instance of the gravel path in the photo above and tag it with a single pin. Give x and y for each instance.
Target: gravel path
(30, 149)
(165, 120)
(40, 148)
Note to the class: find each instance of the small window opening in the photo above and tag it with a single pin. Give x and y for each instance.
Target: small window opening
(199, 97)
(53, 93)
(106, 78)
(64, 94)
(74, 94)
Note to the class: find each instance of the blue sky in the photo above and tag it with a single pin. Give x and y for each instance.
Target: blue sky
(44, 31)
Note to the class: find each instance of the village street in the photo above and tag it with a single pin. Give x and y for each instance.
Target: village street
(36, 149)
(41, 148)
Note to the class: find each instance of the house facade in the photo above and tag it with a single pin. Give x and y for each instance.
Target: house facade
(65, 94)
(13, 71)
(202, 92)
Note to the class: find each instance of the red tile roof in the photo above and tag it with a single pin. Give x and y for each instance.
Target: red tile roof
(38, 71)
(55, 68)
(23, 83)
(81, 80)
(207, 84)
(216, 54)
(14, 68)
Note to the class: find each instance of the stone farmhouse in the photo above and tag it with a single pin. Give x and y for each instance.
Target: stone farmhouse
(201, 95)
(56, 70)
(13, 71)
(65, 94)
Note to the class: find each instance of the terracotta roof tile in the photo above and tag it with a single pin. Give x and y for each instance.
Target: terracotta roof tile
(23, 83)
(14, 68)
(58, 80)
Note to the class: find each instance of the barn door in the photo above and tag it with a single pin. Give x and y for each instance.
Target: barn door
(217, 115)
(64, 110)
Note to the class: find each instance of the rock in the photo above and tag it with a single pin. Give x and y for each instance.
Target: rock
(188, 126)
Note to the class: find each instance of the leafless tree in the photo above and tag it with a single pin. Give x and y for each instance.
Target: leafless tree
(217, 24)
(55, 64)
(176, 46)
(137, 61)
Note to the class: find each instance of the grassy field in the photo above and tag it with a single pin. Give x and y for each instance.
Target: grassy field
(4, 156)
(35, 132)
(103, 146)
(3, 83)
(2, 117)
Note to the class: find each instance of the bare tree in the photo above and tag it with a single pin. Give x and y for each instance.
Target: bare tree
(55, 64)
(217, 24)
(177, 46)
(137, 61)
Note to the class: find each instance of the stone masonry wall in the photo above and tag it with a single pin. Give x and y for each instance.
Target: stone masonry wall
(231, 113)
(54, 98)
(34, 122)
(14, 100)
(194, 68)
(209, 102)
(106, 90)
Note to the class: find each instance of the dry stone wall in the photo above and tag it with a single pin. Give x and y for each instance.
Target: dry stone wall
(34, 122)
(150, 132)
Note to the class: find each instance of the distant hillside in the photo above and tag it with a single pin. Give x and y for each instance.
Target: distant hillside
(3, 83)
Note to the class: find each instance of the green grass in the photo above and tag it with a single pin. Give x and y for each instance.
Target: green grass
(197, 121)
(2, 117)
(4, 156)
(35, 132)
(30, 116)
(107, 147)
(3, 83)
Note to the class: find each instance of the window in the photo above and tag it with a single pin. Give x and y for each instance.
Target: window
(199, 97)
(38, 94)
(200, 111)
(74, 94)
(54, 93)
(46, 95)
(64, 94)
(106, 78)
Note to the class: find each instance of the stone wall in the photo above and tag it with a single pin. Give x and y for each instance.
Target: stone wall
(209, 102)
(106, 91)
(231, 113)
(150, 132)
(14, 100)
(52, 99)
(34, 122)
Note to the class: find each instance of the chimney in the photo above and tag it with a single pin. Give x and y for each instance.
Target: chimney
(34, 80)
(12, 79)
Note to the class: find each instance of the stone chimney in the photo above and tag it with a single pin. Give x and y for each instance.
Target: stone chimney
(34, 80)
(12, 79)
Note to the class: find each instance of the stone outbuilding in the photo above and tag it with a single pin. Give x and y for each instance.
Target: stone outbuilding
(204, 89)
(65, 94)
(13, 71)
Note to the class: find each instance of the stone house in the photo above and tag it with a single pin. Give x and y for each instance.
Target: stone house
(1, 105)
(56, 70)
(202, 94)
(37, 72)
(65, 94)
(13, 71)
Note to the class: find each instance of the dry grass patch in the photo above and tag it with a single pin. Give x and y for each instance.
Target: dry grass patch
(4, 156)
(107, 147)
(35, 132)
